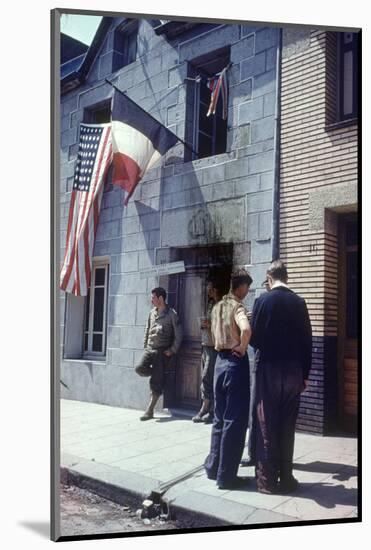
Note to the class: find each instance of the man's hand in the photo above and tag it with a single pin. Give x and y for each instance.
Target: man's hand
(168, 353)
(240, 351)
(305, 386)
(205, 323)
(249, 316)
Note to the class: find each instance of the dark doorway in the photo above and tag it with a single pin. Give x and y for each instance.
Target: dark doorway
(348, 316)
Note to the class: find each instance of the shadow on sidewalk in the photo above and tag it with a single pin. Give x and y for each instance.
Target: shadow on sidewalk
(324, 494)
(341, 472)
(327, 495)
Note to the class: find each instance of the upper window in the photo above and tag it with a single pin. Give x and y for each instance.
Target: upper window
(96, 311)
(348, 75)
(125, 44)
(207, 134)
(99, 113)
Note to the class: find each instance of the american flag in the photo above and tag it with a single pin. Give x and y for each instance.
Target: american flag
(93, 160)
(216, 84)
(133, 142)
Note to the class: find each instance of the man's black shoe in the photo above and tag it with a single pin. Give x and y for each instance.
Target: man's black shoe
(288, 486)
(208, 418)
(247, 462)
(237, 483)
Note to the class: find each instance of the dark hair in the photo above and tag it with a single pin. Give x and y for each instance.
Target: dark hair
(159, 291)
(278, 271)
(216, 284)
(240, 277)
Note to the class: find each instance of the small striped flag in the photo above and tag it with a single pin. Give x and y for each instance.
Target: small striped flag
(218, 84)
(133, 142)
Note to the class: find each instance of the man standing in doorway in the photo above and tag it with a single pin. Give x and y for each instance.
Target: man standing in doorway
(281, 332)
(208, 358)
(162, 339)
(231, 332)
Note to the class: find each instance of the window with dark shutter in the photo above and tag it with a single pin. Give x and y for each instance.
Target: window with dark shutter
(347, 75)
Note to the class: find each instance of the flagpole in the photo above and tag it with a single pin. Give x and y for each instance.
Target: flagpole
(149, 114)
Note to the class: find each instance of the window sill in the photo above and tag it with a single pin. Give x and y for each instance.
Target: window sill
(85, 360)
(196, 164)
(341, 124)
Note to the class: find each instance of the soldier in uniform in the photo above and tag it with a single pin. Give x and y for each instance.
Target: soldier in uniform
(162, 339)
(208, 358)
(281, 332)
(231, 333)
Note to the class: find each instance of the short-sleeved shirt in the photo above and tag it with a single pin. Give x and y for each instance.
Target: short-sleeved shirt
(228, 317)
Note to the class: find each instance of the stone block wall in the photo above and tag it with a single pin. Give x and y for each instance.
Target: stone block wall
(233, 190)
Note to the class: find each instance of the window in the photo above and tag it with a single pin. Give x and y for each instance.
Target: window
(125, 44)
(99, 113)
(348, 75)
(96, 311)
(207, 134)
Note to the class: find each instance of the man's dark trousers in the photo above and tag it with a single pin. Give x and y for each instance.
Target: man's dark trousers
(278, 388)
(153, 364)
(231, 416)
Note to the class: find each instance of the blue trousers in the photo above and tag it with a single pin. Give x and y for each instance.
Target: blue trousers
(231, 417)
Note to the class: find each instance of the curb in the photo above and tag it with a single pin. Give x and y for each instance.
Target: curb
(127, 488)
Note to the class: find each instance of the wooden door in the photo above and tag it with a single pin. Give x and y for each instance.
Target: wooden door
(191, 307)
(348, 315)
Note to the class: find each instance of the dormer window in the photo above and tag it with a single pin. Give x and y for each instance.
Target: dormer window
(125, 44)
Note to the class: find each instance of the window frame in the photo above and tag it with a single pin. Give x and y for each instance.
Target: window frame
(343, 48)
(128, 30)
(98, 263)
(91, 112)
(197, 68)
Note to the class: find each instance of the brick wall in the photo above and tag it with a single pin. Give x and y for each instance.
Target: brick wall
(314, 156)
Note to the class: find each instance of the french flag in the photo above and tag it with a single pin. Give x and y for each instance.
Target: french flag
(138, 142)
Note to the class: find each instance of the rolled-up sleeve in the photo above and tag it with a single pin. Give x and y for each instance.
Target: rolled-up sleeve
(240, 317)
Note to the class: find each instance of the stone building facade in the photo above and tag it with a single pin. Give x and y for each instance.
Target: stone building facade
(209, 210)
(318, 212)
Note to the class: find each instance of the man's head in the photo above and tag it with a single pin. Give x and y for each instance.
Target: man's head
(277, 271)
(240, 283)
(214, 291)
(158, 296)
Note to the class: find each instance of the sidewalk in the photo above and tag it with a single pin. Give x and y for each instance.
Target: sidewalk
(110, 448)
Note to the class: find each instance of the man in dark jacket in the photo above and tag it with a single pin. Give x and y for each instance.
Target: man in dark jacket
(282, 335)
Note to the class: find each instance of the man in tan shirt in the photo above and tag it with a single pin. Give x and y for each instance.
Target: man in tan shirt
(231, 333)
